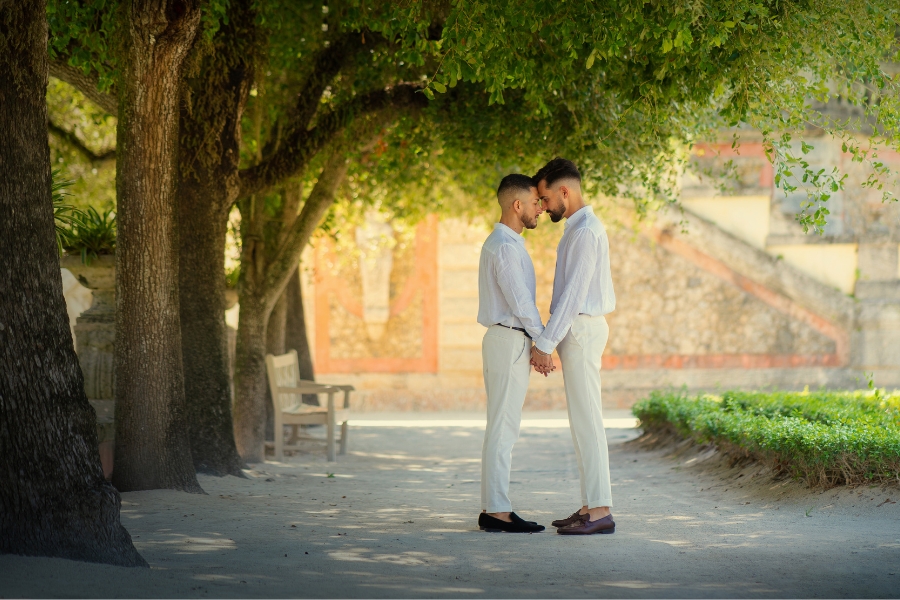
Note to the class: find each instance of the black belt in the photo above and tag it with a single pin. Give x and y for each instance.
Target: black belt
(515, 328)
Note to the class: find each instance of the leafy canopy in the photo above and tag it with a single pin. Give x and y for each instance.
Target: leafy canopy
(623, 87)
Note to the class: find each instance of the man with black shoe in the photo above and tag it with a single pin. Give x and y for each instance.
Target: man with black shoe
(577, 329)
(506, 306)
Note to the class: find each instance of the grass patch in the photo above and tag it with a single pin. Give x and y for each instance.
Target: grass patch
(823, 438)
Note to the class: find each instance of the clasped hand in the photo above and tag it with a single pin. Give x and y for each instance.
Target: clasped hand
(542, 363)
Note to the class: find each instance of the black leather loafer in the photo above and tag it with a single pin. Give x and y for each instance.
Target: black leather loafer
(518, 525)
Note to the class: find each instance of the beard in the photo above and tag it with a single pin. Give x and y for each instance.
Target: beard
(556, 214)
(530, 224)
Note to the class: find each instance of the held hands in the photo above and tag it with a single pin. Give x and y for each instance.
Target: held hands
(542, 363)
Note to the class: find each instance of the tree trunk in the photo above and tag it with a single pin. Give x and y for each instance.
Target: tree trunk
(204, 341)
(152, 444)
(250, 380)
(54, 500)
(275, 327)
(295, 336)
(262, 283)
(274, 345)
(210, 145)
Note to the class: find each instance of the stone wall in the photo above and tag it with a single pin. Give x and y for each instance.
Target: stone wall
(666, 305)
(728, 294)
(675, 324)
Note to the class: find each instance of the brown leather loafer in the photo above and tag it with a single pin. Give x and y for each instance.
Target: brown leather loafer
(574, 517)
(587, 527)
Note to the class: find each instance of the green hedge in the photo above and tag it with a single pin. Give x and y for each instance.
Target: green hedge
(825, 438)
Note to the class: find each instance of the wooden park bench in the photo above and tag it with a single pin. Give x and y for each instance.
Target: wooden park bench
(287, 394)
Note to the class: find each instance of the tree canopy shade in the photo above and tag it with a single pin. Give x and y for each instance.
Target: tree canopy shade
(54, 500)
(622, 87)
(639, 79)
(629, 73)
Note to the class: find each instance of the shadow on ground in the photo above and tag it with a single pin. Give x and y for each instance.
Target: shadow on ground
(396, 517)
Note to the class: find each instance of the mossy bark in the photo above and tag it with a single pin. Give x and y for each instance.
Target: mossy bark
(210, 145)
(250, 382)
(204, 342)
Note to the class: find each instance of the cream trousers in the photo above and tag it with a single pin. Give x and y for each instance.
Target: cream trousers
(580, 353)
(506, 360)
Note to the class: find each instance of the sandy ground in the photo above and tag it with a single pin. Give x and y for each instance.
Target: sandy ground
(396, 517)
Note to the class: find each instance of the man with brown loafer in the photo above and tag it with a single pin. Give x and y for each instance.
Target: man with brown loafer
(506, 293)
(577, 329)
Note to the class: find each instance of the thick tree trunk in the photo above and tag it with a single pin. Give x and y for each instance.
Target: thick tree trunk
(54, 500)
(250, 380)
(210, 147)
(152, 445)
(204, 342)
(295, 335)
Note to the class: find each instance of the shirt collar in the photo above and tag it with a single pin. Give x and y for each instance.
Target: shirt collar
(509, 232)
(578, 215)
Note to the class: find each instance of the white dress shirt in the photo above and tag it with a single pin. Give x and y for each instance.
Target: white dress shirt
(582, 283)
(506, 283)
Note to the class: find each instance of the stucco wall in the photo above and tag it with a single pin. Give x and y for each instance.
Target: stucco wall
(778, 311)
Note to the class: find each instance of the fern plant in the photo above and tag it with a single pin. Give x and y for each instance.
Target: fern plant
(64, 215)
(91, 234)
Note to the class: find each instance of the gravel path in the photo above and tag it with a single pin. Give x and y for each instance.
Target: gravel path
(397, 518)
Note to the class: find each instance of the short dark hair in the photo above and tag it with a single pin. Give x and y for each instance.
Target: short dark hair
(515, 181)
(556, 169)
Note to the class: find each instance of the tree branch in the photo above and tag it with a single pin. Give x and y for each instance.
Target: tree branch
(328, 63)
(86, 84)
(320, 198)
(70, 138)
(296, 150)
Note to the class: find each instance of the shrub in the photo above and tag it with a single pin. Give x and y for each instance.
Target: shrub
(825, 438)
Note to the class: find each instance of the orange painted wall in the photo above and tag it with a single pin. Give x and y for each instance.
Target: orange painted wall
(423, 281)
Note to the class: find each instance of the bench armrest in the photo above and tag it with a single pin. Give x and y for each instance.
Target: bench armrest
(343, 388)
(309, 388)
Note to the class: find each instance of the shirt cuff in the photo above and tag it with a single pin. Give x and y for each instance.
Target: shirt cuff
(544, 345)
(534, 330)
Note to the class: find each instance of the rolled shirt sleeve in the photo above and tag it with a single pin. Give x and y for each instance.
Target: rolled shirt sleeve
(511, 279)
(580, 267)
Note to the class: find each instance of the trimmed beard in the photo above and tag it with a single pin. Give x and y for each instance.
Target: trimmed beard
(555, 216)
